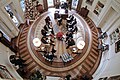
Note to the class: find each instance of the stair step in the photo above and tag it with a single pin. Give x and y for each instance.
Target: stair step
(79, 67)
(34, 69)
(76, 70)
(29, 61)
(88, 20)
(22, 46)
(90, 25)
(47, 73)
(93, 55)
(23, 35)
(83, 71)
(87, 68)
(95, 40)
(26, 28)
(96, 65)
(71, 73)
(22, 42)
(95, 47)
(26, 57)
(94, 43)
(24, 54)
(94, 33)
(92, 59)
(21, 39)
(24, 31)
(90, 64)
(32, 65)
(23, 50)
(93, 28)
(95, 52)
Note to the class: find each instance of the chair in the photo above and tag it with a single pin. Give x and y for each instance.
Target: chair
(84, 12)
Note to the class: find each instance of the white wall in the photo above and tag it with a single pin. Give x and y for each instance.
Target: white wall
(110, 63)
(9, 27)
(97, 19)
(4, 60)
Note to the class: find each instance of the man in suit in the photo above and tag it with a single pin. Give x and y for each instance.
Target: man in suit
(70, 42)
(69, 35)
(44, 32)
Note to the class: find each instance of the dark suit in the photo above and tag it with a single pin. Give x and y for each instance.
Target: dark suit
(70, 42)
(69, 35)
(44, 32)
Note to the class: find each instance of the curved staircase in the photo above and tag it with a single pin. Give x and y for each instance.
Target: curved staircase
(23, 50)
(89, 65)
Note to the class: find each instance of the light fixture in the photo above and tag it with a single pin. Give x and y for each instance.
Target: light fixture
(80, 43)
(36, 42)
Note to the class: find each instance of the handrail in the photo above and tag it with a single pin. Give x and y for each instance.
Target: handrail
(4, 73)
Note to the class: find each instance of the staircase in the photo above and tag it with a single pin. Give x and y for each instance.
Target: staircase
(23, 50)
(89, 65)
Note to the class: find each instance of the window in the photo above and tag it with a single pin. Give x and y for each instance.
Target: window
(8, 38)
(22, 3)
(11, 14)
(74, 3)
(50, 3)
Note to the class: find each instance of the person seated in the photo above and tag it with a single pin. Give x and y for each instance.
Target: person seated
(47, 20)
(44, 32)
(70, 28)
(74, 29)
(71, 17)
(49, 56)
(69, 35)
(56, 15)
(74, 22)
(70, 42)
(17, 60)
(68, 20)
(53, 51)
(59, 21)
(47, 40)
(49, 28)
(65, 5)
